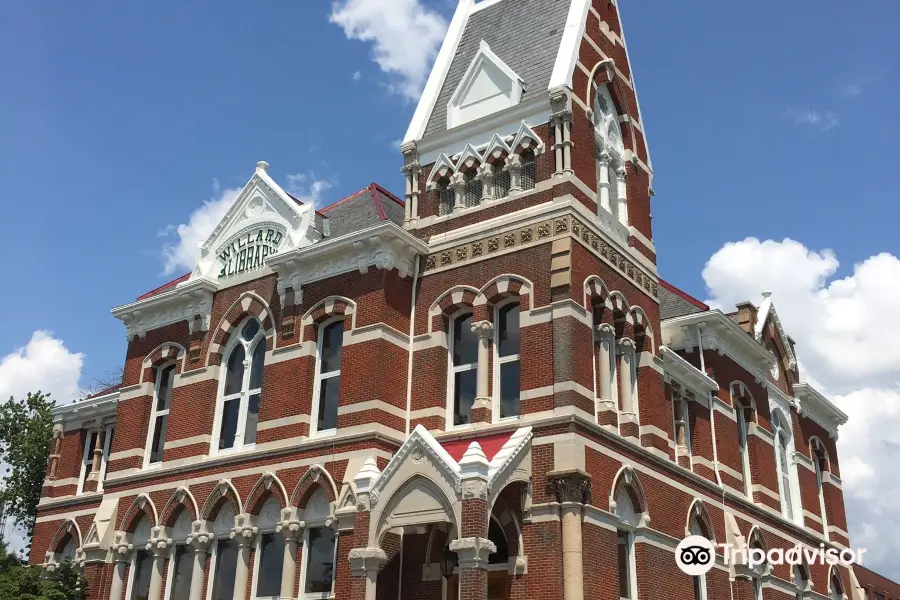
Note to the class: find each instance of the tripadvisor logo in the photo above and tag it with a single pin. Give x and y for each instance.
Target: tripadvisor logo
(695, 555)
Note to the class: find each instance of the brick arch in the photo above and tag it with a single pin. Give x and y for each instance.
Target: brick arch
(698, 512)
(223, 493)
(835, 582)
(181, 499)
(596, 293)
(526, 141)
(67, 528)
(505, 286)
(141, 506)
(469, 160)
(643, 330)
(755, 537)
(815, 443)
(628, 480)
(450, 302)
(442, 170)
(315, 478)
(509, 523)
(247, 305)
(268, 486)
(742, 397)
(331, 306)
(159, 356)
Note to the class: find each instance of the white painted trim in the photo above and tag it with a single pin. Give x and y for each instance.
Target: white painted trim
(567, 55)
(282, 422)
(482, 56)
(190, 441)
(438, 74)
(381, 405)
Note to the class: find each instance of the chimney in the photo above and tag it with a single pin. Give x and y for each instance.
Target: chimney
(747, 316)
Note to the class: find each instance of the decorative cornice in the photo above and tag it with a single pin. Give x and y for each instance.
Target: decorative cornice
(813, 405)
(98, 407)
(186, 301)
(686, 373)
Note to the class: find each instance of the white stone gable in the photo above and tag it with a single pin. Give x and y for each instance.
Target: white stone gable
(263, 221)
(487, 87)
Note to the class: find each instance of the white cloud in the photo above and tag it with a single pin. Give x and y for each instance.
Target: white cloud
(848, 341)
(45, 364)
(820, 121)
(852, 90)
(306, 187)
(356, 76)
(182, 254)
(405, 36)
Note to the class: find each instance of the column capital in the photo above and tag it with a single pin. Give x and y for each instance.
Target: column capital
(291, 529)
(365, 560)
(159, 546)
(473, 551)
(244, 534)
(483, 329)
(606, 330)
(571, 485)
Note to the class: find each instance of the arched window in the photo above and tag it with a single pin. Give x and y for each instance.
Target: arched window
(610, 154)
(627, 517)
(463, 369)
(474, 188)
(801, 581)
(700, 592)
(319, 548)
(269, 551)
(529, 170)
(223, 562)
(501, 181)
(181, 563)
(758, 570)
(328, 376)
(159, 418)
(141, 563)
(835, 586)
(95, 457)
(740, 399)
(446, 198)
(498, 536)
(782, 454)
(820, 462)
(506, 359)
(242, 385)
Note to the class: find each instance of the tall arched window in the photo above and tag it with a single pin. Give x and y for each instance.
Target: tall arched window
(463, 377)
(697, 528)
(742, 402)
(782, 454)
(820, 462)
(223, 561)
(319, 549)
(529, 170)
(801, 581)
(242, 385)
(141, 563)
(181, 563)
(159, 418)
(610, 155)
(835, 586)
(506, 359)
(328, 375)
(269, 560)
(628, 519)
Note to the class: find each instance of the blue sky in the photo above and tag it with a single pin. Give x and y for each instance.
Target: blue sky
(119, 121)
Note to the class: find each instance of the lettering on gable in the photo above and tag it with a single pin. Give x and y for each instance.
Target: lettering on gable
(248, 251)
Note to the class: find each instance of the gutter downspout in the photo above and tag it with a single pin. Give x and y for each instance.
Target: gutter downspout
(412, 331)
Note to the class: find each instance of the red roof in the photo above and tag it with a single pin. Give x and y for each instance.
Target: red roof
(165, 287)
(376, 191)
(108, 390)
(490, 444)
(684, 295)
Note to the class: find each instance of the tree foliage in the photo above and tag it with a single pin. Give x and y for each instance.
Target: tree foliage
(23, 582)
(26, 432)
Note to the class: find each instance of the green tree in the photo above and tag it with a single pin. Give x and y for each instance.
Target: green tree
(31, 583)
(26, 432)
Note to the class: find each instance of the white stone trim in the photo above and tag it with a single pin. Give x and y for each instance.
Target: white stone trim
(376, 331)
(282, 422)
(756, 487)
(131, 452)
(533, 393)
(292, 352)
(62, 482)
(484, 55)
(570, 43)
(435, 339)
(431, 411)
(381, 405)
(189, 441)
(812, 517)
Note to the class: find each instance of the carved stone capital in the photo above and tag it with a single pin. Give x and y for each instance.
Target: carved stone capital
(244, 534)
(291, 529)
(606, 330)
(483, 329)
(159, 546)
(570, 486)
(473, 551)
(365, 560)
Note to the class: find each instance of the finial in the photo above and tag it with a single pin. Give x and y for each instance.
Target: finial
(766, 294)
(262, 165)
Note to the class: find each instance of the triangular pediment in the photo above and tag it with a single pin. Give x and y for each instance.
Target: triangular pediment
(263, 220)
(766, 314)
(488, 86)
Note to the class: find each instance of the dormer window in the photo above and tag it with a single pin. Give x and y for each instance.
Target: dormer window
(488, 86)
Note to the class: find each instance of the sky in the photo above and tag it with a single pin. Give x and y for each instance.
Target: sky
(126, 129)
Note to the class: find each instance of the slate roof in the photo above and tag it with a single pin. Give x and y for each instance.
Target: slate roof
(525, 34)
(365, 208)
(674, 302)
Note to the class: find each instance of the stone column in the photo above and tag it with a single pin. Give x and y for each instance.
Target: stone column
(458, 183)
(159, 547)
(556, 121)
(199, 542)
(364, 563)
(244, 535)
(567, 142)
(473, 553)
(486, 177)
(483, 406)
(55, 451)
(514, 166)
(121, 556)
(603, 181)
(627, 407)
(412, 169)
(608, 414)
(572, 489)
(292, 530)
(622, 198)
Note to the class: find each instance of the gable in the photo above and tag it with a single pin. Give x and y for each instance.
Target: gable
(263, 221)
(488, 86)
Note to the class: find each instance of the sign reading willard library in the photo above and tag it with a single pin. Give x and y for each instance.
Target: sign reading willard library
(249, 251)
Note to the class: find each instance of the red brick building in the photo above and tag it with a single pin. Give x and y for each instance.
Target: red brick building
(482, 390)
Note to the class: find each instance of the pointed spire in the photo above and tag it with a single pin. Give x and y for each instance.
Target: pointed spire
(367, 475)
(474, 462)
